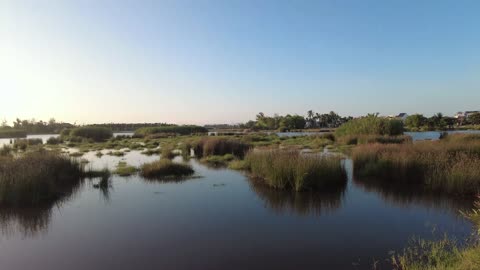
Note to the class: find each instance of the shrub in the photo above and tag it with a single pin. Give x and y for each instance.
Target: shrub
(291, 170)
(210, 146)
(371, 125)
(97, 134)
(165, 168)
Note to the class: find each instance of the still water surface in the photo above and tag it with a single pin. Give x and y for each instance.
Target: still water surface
(220, 221)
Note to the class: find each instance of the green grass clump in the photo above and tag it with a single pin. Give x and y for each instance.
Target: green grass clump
(238, 165)
(37, 177)
(12, 133)
(444, 254)
(291, 170)
(219, 146)
(116, 153)
(167, 151)
(123, 169)
(172, 129)
(165, 168)
(370, 125)
(97, 134)
(218, 160)
(365, 139)
(448, 166)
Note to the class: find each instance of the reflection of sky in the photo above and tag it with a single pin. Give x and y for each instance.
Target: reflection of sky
(224, 61)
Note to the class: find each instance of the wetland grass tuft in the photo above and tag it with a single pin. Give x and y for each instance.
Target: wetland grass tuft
(165, 168)
(282, 169)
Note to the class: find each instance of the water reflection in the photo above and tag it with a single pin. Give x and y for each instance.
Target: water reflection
(406, 195)
(301, 203)
(30, 220)
(26, 221)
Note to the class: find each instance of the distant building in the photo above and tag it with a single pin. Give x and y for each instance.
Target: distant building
(459, 115)
(402, 116)
(469, 113)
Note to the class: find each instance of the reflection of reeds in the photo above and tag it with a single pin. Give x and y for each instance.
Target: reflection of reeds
(301, 203)
(407, 195)
(281, 169)
(451, 165)
(28, 221)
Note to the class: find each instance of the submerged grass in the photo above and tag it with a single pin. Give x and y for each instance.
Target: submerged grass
(450, 166)
(165, 168)
(291, 170)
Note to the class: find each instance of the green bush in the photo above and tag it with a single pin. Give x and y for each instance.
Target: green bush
(371, 125)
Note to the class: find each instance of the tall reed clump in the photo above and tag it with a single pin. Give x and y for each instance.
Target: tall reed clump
(282, 169)
(215, 146)
(97, 134)
(37, 177)
(450, 166)
(165, 168)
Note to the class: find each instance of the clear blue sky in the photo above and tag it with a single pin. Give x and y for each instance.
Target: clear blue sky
(224, 61)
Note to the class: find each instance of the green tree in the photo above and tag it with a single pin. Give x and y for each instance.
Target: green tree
(415, 121)
(474, 118)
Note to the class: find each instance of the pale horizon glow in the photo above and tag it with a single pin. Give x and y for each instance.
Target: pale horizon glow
(205, 62)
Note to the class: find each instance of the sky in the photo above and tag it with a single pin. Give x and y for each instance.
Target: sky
(204, 62)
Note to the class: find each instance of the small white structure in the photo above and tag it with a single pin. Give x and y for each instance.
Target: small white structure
(402, 116)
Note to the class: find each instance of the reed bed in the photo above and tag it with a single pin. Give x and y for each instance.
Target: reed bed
(282, 169)
(214, 146)
(36, 177)
(451, 165)
(165, 168)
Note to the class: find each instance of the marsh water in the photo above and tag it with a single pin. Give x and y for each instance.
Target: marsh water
(221, 219)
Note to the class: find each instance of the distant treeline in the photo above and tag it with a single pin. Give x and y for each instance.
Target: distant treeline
(290, 122)
(35, 127)
(438, 121)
